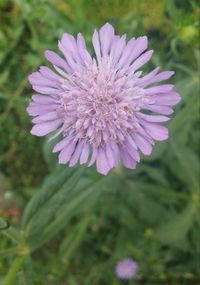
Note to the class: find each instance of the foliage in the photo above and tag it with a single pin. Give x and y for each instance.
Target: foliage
(72, 226)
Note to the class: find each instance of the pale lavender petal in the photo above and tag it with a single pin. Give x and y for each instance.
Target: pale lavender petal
(84, 54)
(85, 153)
(36, 109)
(116, 152)
(106, 34)
(36, 78)
(153, 118)
(60, 145)
(156, 131)
(142, 144)
(143, 133)
(128, 161)
(96, 45)
(165, 88)
(76, 155)
(165, 110)
(125, 58)
(159, 77)
(132, 151)
(144, 58)
(140, 46)
(133, 49)
(46, 117)
(131, 142)
(48, 73)
(56, 134)
(110, 155)
(57, 60)
(61, 71)
(142, 81)
(46, 100)
(102, 164)
(43, 129)
(45, 90)
(81, 42)
(68, 47)
(169, 99)
(94, 156)
(72, 64)
(117, 48)
(66, 153)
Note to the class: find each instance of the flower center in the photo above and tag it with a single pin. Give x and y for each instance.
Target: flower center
(100, 103)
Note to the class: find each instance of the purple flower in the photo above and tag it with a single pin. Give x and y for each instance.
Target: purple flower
(126, 269)
(98, 105)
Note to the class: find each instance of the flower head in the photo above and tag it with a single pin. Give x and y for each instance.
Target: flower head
(98, 105)
(126, 269)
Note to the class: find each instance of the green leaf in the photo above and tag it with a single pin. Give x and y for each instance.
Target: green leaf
(185, 116)
(152, 172)
(9, 231)
(160, 191)
(48, 210)
(42, 229)
(175, 230)
(188, 166)
(74, 238)
(51, 184)
(8, 252)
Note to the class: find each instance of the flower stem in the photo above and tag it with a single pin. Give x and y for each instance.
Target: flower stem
(16, 266)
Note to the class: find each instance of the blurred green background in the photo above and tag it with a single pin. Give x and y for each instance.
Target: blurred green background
(78, 223)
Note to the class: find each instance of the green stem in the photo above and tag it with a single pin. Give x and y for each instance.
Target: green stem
(14, 269)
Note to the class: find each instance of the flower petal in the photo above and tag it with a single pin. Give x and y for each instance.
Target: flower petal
(144, 58)
(35, 109)
(106, 34)
(66, 153)
(45, 90)
(61, 144)
(46, 117)
(117, 48)
(159, 77)
(76, 155)
(103, 166)
(85, 153)
(36, 78)
(43, 129)
(142, 144)
(125, 58)
(110, 155)
(159, 89)
(140, 46)
(152, 118)
(165, 110)
(96, 45)
(156, 131)
(84, 54)
(142, 81)
(128, 161)
(68, 47)
(41, 99)
(170, 99)
(48, 73)
(57, 60)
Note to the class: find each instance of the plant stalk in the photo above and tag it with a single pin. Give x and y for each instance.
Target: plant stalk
(14, 269)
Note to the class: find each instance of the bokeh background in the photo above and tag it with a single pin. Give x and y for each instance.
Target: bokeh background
(85, 223)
